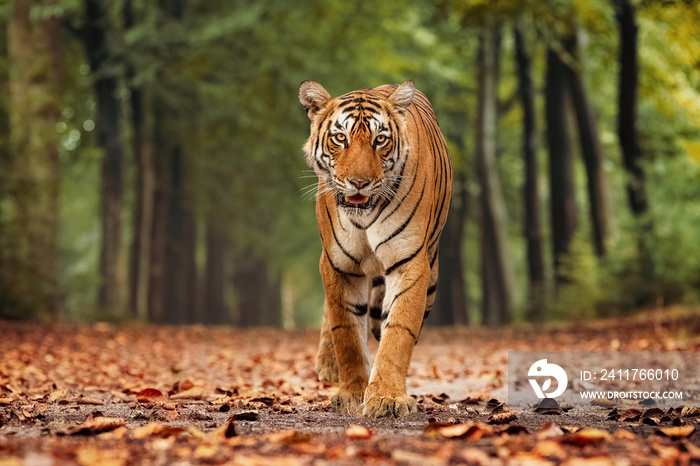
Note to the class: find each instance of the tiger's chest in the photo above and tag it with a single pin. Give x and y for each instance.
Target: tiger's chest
(356, 246)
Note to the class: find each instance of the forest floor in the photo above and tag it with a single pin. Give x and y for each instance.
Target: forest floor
(145, 394)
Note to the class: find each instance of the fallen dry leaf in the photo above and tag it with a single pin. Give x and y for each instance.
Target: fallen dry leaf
(690, 411)
(590, 461)
(631, 415)
(677, 432)
(157, 430)
(624, 434)
(550, 430)
(411, 458)
(503, 418)
(587, 437)
(194, 393)
(549, 449)
(87, 373)
(478, 456)
(149, 395)
(89, 456)
(357, 432)
(96, 426)
(464, 431)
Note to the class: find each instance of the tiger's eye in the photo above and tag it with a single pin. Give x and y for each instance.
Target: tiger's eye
(380, 139)
(340, 137)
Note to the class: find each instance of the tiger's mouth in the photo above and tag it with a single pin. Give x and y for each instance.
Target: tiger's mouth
(357, 201)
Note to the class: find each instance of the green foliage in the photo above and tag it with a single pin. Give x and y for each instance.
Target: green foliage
(580, 293)
(229, 73)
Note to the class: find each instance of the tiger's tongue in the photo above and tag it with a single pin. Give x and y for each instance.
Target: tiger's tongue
(356, 199)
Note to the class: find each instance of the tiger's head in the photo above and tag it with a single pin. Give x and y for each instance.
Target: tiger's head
(357, 145)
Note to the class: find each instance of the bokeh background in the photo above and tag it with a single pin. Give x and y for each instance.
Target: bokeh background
(151, 170)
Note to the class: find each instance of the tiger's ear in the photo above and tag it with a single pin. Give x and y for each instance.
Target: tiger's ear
(403, 96)
(313, 97)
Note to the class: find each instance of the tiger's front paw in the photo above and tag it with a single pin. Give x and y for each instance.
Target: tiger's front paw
(396, 406)
(346, 402)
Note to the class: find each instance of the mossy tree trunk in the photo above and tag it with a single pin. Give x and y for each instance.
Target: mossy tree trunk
(533, 232)
(496, 264)
(35, 55)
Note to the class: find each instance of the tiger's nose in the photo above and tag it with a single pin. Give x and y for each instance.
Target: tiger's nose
(359, 184)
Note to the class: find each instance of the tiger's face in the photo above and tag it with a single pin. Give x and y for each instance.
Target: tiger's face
(356, 146)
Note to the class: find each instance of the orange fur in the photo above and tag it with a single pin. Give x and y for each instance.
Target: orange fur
(385, 188)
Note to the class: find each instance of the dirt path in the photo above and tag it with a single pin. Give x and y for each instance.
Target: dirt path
(163, 395)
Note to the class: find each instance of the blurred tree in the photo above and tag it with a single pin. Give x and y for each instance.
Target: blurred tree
(533, 236)
(94, 34)
(496, 265)
(173, 279)
(7, 295)
(214, 308)
(209, 112)
(451, 299)
(590, 147)
(627, 106)
(258, 293)
(561, 182)
(35, 53)
(142, 212)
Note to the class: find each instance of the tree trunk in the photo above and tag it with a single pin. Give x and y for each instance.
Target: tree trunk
(6, 179)
(561, 182)
(214, 311)
(35, 56)
(173, 281)
(272, 299)
(258, 300)
(627, 102)
(159, 234)
(451, 298)
(496, 265)
(144, 191)
(533, 236)
(591, 152)
(108, 120)
(180, 277)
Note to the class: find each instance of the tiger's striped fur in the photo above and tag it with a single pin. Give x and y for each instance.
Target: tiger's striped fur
(384, 192)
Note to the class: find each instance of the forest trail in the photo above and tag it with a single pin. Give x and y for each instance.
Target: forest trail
(145, 394)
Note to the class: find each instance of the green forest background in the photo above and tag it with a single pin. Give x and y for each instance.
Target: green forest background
(151, 165)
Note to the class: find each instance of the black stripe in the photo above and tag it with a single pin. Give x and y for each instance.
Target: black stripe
(408, 192)
(432, 261)
(403, 261)
(377, 281)
(380, 206)
(408, 220)
(375, 312)
(396, 296)
(401, 326)
(357, 309)
(340, 326)
(432, 289)
(335, 237)
(342, 272)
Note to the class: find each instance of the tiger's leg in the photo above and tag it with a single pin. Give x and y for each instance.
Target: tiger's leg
(432, 286)
(346, 307)
(326, 363)
(375, 306)
(404, 304)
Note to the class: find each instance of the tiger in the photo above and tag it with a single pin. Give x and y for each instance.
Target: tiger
(384, 191)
